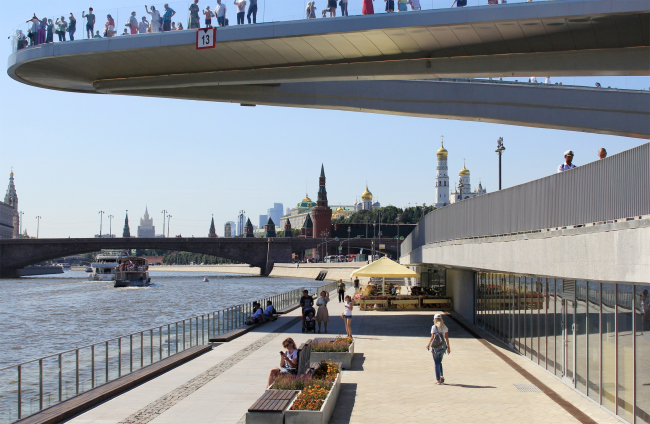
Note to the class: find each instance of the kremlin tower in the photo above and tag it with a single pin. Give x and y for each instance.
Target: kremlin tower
(322, 214)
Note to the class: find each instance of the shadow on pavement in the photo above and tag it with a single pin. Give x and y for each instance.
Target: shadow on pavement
(469, 386)
(344, 404)
(357, 362)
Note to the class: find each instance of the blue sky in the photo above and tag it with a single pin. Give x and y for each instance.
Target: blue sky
(76, 154)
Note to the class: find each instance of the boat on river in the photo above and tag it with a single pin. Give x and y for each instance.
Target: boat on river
(105, 265)
(132, 271)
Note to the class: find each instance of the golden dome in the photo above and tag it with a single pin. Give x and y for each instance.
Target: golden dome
(366, 195)
(306, 199)
(442, 151)
(339, 210)
(464, 171)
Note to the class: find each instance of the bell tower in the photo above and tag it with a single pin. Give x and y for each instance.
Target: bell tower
(322, 213)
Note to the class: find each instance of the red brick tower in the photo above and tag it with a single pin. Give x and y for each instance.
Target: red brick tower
(322, 214)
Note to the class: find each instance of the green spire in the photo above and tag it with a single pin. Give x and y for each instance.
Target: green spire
(126, 232)
(270, 222)
(322, 170)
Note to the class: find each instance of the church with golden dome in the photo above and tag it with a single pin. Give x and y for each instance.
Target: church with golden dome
(366, 202)
(462, 190)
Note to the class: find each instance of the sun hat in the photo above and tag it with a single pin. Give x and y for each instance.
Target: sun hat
(569, 153)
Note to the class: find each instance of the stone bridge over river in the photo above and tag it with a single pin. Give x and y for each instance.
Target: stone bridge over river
(260, 252)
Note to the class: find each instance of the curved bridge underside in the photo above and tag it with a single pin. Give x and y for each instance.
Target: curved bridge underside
(366, 54)
(259, 252)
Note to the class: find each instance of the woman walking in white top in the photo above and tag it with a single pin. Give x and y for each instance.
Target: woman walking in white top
(347, 315)
(439, 343)
(323, 316)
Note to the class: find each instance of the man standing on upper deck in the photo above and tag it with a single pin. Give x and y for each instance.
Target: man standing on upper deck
(252, 9)
(568, 157)
(90, 22)
(220, 11)
(167, 18)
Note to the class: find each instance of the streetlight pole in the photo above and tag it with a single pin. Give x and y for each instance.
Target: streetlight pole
(38, 224)
(500, 150)
(241, 220)
(110, 226)
(168, 219)
(349, 229)
(20, 224)
(164, 212)
(101, 215)
(397, 238)
(374, 224)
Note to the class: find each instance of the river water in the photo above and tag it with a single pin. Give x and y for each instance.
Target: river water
(48, 314)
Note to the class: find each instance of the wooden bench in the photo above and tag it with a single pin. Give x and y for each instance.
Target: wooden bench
(304, 353)
(366, 302)
(269, 408)
(442, 304)
(238, 332)
(83, 401)
(404, 303)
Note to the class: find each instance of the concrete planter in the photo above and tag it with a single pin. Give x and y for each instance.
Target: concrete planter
(315, 417)
(344, 358)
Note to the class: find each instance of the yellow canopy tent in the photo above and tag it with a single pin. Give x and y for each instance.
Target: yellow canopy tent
(384, 267)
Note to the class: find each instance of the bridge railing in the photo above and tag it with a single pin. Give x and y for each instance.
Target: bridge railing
(617, 187)
(33, 385)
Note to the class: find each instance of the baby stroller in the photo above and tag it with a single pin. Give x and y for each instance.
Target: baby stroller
(309, 322)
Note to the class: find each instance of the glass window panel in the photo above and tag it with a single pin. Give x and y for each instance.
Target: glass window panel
(559, 359)
(550, 325)
(642, 339)
(534, 315)
(529, 317)
(517, 314)
(490, 303)
(478, 298)
(593, 329)
(624, 352)
(608, 340)
(581, 336)
(504, 307)
(569, 318)
(543, 308)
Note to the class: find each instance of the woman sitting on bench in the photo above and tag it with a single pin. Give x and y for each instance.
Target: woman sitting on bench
(288, 361)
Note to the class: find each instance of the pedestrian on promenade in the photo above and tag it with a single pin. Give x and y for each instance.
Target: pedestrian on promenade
(323, 316)
(331, 6)
(155, 18)
(220, 11)
(368, 8)
(341, 288)
(90, 22)
(356, 283)
(208, 17)
(568, 159)
(344, 7)
(72, 26)
(439, 343)
(167, 18)
(288, 361)
(252, 10)
(402, 5)
(602, 153)
(306, 301)
(195, 21)
(415, 4)
(270, 312)
(241, 11)
(133, 24)
(347, 315)
(459, 3)
(390, 6)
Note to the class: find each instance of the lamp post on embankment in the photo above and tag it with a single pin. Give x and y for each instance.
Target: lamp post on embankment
(101, 215)
(38, 224)
(499, 151)
(110, 226)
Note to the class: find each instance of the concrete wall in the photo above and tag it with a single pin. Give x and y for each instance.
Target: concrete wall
(618, 251)
(460, 286)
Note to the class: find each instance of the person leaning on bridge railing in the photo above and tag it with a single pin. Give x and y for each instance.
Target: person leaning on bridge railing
(568, 159)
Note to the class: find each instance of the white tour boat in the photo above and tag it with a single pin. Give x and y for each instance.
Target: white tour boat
(103, 269)
(132, 271)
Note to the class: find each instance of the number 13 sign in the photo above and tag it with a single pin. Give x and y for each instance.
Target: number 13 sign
(205, 38)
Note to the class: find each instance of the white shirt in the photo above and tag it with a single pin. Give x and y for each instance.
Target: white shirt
(548, 80)
(565, 167)
(322, 301)
(533, 79)
(347, 310)
(220, 10)
(142, 27)
(293, 356)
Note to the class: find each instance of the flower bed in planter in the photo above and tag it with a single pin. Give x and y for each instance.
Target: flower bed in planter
(322, 409)
(340, 349)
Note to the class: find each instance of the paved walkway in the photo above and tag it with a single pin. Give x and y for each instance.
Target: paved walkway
(392, 380)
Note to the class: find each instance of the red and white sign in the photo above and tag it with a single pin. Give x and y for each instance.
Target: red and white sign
(205, 38)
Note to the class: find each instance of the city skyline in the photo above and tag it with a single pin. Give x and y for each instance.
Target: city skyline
(76, 156)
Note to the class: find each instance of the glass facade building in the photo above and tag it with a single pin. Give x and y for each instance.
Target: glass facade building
(594, 336)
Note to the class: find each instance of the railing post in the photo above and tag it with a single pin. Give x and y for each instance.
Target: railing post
(151, 344)
(107, 358)
(141, 349)
(160, 343)
(131, 353)
(92, 364)
(19, 391)
(176, 351)
(169, 340)
(40, 384)
(119, 357)
(77, 370)
(60, 378)
(184, 335)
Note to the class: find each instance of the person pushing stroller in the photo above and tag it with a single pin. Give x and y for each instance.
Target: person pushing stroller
(307, 305)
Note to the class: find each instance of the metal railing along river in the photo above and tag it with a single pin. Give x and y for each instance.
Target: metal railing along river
(31, 386)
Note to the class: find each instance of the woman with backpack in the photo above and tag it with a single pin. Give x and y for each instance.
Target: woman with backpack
(439, 343)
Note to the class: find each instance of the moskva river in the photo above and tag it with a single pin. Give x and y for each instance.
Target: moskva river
(45, 315)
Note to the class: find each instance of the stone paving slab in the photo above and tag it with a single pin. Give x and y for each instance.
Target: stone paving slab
(391, 381)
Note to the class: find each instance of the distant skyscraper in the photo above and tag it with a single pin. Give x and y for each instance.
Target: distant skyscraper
(275, 213)
(146, 227)
(262, 221)
(241, 226)
(227, 229)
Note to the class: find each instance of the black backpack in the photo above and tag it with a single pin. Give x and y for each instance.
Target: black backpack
(438, 338)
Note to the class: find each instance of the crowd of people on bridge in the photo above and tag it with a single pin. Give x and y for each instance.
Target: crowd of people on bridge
(568, 159)
(42, 30)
